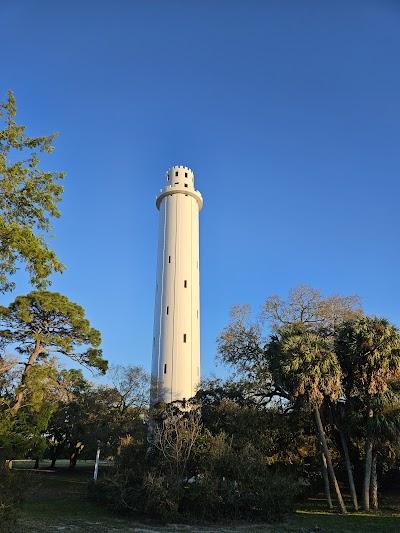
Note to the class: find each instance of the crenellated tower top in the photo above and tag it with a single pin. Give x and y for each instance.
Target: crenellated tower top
(180, 179)
(180, 172)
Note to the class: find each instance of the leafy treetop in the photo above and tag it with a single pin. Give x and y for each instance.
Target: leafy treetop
(45, 323)
(304, 364)
(28, 199)
(50, 323)
(369, 352)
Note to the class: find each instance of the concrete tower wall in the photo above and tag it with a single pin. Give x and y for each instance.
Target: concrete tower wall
(176, 340)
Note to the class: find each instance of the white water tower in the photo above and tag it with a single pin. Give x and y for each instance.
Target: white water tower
(176, 338)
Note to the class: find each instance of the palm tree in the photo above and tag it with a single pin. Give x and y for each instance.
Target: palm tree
(303, 363)
(368, 349)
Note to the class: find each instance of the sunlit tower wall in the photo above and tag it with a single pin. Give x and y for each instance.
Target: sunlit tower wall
(176, 337)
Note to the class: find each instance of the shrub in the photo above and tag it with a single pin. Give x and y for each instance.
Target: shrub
(122, 491)
(159, 501)
(202, 499)
(268, 496)
(209, 480)
(237, 484)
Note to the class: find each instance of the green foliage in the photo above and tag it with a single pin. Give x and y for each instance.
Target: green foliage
(160, 500)
(283, 436)
(268, 496)
(86, 415)
(123, 490)
(237, 482)
(50, 323)
(369, 352)
(191, 473)
(28, 198)
(21, 432)
(303, 363)
(40, 326)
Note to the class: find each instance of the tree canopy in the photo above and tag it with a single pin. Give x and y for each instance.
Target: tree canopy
(45, 323)
(29, 197)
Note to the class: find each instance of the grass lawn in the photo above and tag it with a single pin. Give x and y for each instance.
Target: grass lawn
(57, 501)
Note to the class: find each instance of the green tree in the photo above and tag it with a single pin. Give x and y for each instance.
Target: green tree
(303, 363)
(22, 432)
(44, 324)
(70, 387)
(242, 343)
(368, 349)
(283, 436)
(89, 414)
(28, 199)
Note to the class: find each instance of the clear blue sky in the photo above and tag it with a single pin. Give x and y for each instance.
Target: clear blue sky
(288, 112)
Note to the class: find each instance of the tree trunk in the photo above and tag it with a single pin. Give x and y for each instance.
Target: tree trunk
(367, 473)
(54, 454)
(73, 459)
(349, 470)
(37, 460)
(21, 388)
(324, 471)
(374, 484)
(329, 460)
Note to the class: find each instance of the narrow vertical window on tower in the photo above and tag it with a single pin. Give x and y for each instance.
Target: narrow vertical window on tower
(167, 310)
(185, 283)
(165, 368)
(184, 337)
(169, 259)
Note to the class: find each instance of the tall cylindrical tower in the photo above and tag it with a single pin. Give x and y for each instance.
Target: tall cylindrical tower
(176, 338)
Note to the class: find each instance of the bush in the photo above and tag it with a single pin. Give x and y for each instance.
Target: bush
(210, 480)
(238, 484)
(122, 491)
(159, 499)
(202, 499)
(269, 496)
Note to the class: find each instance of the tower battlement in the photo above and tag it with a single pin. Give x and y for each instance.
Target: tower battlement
(180, 180)
(179, 171)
